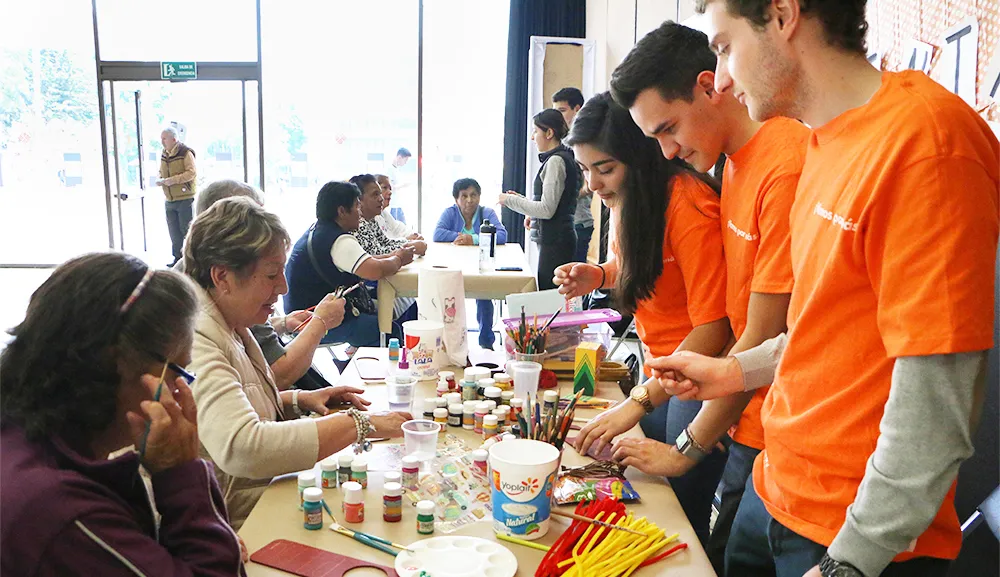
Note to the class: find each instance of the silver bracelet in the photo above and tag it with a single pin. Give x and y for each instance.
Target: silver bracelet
(363, 424)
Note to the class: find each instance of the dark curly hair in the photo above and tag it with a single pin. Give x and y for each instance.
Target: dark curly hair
(843, 20)
(74, 349)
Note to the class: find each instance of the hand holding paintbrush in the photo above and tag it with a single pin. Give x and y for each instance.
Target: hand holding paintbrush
(330, 310)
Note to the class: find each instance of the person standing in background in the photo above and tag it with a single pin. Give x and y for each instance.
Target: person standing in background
(177, 178)
(402, 157)
(568, 102)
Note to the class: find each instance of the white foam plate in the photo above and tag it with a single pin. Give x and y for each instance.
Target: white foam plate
(456, 556)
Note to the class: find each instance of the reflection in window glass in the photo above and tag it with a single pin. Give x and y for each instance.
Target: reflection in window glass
(340, 97)
(463, 111)
(153, 30)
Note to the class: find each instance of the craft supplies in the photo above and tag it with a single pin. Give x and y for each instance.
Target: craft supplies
(425, 517)
(328, 473)
(429, 406)
(529, 338)
(359, 472)
(468, 391)
(442, 388)
(455, 415)
(468, 417)
(411, 472)
(501, 416)
(480, 458)
(456, 556)
(441, 418)
(597, 480)
(550, 400)
(424, 339)
(312, 507)
(394, 350)
(594, 522)
(306, 479)
(354, 502)
(392, 502)
(344, 468)
(529, 544)
(449, 378)
(481, 410)
(523, 475)
(441, 403)
(366, 538)
(526, 375)
(506, 397)
(491, 406)
(586, 368)
(454, 398)
(420, 438)
(482, 385)
(504, 381)
(550, 425)
(489, 426)
(391, 476)
(516, 405)
(290, 557)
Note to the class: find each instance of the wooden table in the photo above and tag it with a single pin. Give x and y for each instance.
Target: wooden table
(277, 516)
(487, 285)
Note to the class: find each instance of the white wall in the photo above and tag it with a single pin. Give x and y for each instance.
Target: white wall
(616, 25)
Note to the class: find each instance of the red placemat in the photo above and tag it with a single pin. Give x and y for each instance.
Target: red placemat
(309, 561)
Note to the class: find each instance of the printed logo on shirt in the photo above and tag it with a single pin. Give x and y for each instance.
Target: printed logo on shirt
(741, 233)
(846, 224)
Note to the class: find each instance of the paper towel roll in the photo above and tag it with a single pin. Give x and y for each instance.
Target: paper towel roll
(426, 355)
(441, 297)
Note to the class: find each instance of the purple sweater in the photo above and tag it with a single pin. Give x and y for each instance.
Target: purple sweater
(65, 514)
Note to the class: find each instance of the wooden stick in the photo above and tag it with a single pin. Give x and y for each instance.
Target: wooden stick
(594, 522)
(522, 542)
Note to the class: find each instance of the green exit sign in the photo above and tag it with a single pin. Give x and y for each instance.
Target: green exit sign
(178, 70)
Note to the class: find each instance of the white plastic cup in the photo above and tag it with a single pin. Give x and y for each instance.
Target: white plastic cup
(400, 392)
(523, 473)
(420, 436)
(525, 374)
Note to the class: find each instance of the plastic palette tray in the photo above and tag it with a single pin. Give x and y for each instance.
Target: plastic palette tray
(456, 556)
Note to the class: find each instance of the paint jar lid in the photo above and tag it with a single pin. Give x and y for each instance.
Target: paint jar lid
(411, 462)
(487, 382)
(490, 420)
(328, 464)
(391, 477)
(393, 343)
(467, 410)
(500, 412)
(425, 508)
(429, 402)
(470, 405)
(473, 374)
(454, 398)
(491, 392)
(352, 493)
(345, 460)
(480, 455)
(502, 378)
(307, 479)
(392, 489)
(482, 407)
(442, 386)
(455, 408)
(507, 395)
(359, 464)
(312, 494)
(517, 402)
(446, 374)
(491, 406)
(441, 402)
(551, 396)
(440, 413)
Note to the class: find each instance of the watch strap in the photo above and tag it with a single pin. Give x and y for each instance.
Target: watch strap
(830, 567)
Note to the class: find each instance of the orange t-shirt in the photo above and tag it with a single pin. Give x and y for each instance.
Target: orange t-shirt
(691, 290)
(758, 188)
(894, 235)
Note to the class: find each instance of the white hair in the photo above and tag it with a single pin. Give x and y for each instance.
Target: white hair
(173, 131)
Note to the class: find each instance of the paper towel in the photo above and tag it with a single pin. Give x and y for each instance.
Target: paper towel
(441, 297)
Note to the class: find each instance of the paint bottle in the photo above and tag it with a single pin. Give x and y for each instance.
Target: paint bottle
(394, 350)
(354, 503)
(454, 398)
(489, 426)
(468, 391)
(481, 410)
(441, 403)
(468, 416)
(442, 388)
(550, 403)
(429, 406)
(441, 416)
(482, 385)
(479, 459)
(504, 381)
(312, 505)
(505, 397)
(359, 472)
(344, 468)
(306, 479)
(392, 477)
(411, 472)
(492, 393)
(491, 405)
(392, 502)
(328, 472)
(501, 416)
(449, 377)
(425, 517)
(454, 415)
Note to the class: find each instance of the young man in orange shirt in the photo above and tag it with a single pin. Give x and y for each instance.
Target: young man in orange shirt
(668, 83)
(893, 240)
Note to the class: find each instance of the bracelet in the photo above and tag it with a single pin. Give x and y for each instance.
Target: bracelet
(363, 424)
(604, 277)
(284, 326)
(695, 442)
(295, 402)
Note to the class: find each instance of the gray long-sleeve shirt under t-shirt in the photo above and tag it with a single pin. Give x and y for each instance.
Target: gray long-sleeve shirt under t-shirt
(910, 472)
(553, 182)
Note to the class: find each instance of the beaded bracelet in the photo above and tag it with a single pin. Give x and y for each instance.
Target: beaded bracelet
(363, 424)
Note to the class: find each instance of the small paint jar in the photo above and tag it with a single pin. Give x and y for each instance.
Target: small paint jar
(489, 426)
(425, 517)
(501, 416)
(392, 477)
(491, 406)
(312, 507)
(429, 406)
(441, 416)
(493, 394)
(449, 377)
(505, 397)
(504, 381)
(344, 468)
(480, 458)
(359, 472)
(394, 350)
(455, 415)
(481, 387)
(516, 407)
(411, 472)
(392, 502)
(354, 503)
(454, 398)
(468, 391)
(442, 388)
(328, 472)
(468, 418)
(306, 479)
(441, 403)
(550, 403)
(481, 410)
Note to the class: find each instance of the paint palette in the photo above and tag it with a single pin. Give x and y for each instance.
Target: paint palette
(456, 556)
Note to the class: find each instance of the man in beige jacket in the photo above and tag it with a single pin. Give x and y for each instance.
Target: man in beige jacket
(177, 178)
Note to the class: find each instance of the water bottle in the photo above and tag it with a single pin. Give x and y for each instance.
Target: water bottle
(487, 246)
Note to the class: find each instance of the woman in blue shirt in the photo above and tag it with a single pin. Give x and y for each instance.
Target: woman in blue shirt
(459, 224)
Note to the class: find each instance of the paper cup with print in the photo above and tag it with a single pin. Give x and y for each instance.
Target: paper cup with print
(424, 342)
(523, 473)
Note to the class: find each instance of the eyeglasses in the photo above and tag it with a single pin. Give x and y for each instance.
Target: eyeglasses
(188, 377)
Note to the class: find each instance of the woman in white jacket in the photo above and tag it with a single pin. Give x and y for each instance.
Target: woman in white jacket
(235, 252)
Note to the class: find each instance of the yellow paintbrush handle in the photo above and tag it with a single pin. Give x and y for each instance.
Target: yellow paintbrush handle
(522, 542)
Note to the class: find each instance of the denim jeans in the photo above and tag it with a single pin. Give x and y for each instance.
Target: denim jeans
(759, 546)
(730, 491)
(178, 222)
(484, 314)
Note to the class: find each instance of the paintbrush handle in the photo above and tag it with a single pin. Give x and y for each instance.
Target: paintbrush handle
(594, 521)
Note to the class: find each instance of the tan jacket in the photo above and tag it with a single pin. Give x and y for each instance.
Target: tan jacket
(240, 416)
(178, 173)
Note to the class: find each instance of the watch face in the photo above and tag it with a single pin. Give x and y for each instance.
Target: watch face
(639, 392)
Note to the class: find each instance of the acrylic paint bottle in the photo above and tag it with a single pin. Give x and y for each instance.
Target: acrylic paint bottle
(312, 507)
(392, 502)
(354, 503)
(425, 517)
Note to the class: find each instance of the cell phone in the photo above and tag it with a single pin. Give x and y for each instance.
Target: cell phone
(509, 268)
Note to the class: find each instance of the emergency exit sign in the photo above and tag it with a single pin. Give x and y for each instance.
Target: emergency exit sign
(178, 70)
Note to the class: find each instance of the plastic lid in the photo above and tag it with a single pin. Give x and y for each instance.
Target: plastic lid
(551, 396)
(468, 410)
(393, 343)
(359, 464)
(392, 489)
(455, 408)
(486, 382)
(473, 374)
(517, 402)
(499, 412)
(429, 401)
(502, 378)
(411, 462)
(425, 507)
(492, 391)
(482, 407)
(440, 413)
(454, 398)
(480, 455)
(491, 406)
(328, 464)
(391, 477)
(403, 363)
(441, 402)
(352, 493)
(490, 420)
(345, 460)
(507, 395)
(470, 404)
(446, 374)
(312, 494)
(442, 385)
(307, 478)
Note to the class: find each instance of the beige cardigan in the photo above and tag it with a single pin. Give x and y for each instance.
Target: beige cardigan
(240, 417)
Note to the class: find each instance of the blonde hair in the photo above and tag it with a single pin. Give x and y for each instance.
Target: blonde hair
(234, 233)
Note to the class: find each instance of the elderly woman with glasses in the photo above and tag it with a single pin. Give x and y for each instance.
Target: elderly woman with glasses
(235, 252)
(93, 370)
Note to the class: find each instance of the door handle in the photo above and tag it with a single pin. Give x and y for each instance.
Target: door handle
(122, 195)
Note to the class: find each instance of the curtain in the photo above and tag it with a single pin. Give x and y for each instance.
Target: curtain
(565, 18)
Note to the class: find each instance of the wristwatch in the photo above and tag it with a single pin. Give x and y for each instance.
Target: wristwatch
(689, 447)
(829, 567)
(640, 394)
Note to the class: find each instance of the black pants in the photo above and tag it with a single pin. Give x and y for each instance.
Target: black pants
(178, 221)
(583, 234)
(552, 255)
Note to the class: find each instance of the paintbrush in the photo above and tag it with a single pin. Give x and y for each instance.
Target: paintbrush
(576, 517)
